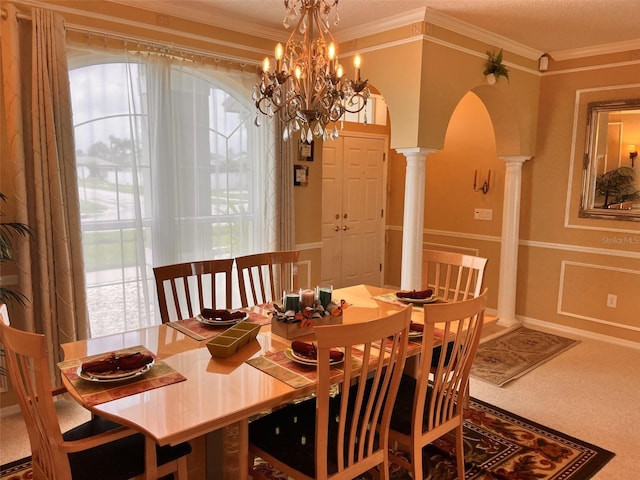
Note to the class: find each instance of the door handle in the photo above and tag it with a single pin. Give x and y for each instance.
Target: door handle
(336, 228)
(345, 228)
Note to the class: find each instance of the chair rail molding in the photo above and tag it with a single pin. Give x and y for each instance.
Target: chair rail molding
(509, 245)
(413, 223)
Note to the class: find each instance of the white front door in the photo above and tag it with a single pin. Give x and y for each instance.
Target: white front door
(352, 210)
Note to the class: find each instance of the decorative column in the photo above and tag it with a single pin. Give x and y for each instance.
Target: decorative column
(510, 237)
(413, 224)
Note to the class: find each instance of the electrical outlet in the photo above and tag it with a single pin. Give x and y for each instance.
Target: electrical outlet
(612, 300)
(482, 214)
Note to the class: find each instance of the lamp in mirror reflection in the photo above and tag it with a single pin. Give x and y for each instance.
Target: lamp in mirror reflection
(483, 186)
(633, 153)
(305, 85)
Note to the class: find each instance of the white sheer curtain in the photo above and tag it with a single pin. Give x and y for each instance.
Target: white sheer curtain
(173, 170)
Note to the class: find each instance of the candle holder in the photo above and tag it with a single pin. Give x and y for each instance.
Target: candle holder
(323, 294)
(291, 300)
(484, 188)
(301, 310)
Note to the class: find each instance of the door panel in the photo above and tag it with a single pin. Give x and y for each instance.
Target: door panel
(352, 190)
(331, 212)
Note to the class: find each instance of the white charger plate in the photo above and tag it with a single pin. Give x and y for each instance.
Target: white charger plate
(220, 323)
(115, 376)
(418, 301)
(291, 355)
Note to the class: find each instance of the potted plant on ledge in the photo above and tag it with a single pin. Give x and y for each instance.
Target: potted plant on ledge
(494, 69)
(7, 231)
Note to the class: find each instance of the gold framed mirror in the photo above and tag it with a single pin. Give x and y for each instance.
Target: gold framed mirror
(611, 170)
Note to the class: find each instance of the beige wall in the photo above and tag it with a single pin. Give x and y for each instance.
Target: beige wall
(567, 265)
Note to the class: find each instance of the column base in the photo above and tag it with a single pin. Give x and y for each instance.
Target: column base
(508, 322)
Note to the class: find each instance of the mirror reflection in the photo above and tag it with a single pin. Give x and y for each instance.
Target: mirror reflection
(611, 183)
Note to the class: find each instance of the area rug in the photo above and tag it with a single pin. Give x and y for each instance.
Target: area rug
(499, 445)
(505, 358)
(18, 470)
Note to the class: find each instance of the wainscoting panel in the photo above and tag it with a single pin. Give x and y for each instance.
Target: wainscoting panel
(586, 288)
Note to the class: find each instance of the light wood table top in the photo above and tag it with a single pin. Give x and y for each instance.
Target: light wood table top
(218, 392)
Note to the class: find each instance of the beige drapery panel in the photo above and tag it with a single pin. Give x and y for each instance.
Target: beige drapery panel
(285, 211)
(40, 159)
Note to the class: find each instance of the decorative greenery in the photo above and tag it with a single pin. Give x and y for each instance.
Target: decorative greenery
(617, 186)
(7, 230)
(495, 67)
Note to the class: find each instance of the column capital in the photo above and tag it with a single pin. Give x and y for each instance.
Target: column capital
(515, 158)
(416, 152)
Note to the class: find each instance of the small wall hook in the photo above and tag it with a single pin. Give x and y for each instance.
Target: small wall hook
(484, 188)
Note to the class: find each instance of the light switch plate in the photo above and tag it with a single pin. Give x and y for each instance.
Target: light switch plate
(483, 214)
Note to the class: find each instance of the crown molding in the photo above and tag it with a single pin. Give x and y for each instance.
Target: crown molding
(389, 23)
(429, 15)
(596, 50)
(485, 36)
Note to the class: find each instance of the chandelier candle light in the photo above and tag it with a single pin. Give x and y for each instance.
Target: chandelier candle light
(307, 89)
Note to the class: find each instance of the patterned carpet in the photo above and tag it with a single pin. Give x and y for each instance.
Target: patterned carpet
(515, 353)
(502, 446)
(498, 446)
(18, 470)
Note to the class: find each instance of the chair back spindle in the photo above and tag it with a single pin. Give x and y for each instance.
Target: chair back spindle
(262, 277)
(184, 289)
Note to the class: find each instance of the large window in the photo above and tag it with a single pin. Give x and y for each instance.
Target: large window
(170, 169)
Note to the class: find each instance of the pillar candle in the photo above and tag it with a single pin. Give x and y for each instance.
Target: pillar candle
(307, 298)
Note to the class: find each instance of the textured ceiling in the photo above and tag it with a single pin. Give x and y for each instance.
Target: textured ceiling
(551, 26)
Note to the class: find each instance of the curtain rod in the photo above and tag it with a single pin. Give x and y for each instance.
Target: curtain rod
(4, 13)
(151, 46)
(134, 42)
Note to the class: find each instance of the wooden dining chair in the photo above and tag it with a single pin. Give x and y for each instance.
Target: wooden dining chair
(96, 450)
(334, 436)
(431, 404)
(452, 276)
(262, 277)
(184, 289)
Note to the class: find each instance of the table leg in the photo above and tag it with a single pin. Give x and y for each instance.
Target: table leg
(235, 451)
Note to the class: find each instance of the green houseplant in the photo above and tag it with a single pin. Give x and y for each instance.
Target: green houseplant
(7, 231)
(617, 186)
(494, 69)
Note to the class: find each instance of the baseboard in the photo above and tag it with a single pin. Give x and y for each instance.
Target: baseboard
(10, 410)
(577, 332)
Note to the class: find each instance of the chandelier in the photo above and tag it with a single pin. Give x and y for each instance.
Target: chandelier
(307, 89)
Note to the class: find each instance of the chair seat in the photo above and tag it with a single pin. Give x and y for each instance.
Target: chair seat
(403, 408)
(98, 463)
(289, 435)
(281, 433)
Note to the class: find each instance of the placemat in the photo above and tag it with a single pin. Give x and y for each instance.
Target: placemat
(294, 374)
(389, 298)
(260, 314)
(94, 393)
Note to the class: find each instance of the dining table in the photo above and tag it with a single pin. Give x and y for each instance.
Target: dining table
(189, 393)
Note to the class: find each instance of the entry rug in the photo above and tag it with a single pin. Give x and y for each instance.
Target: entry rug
(499, 445)
(515, 353)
